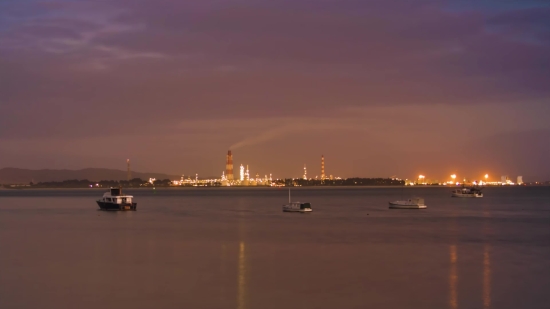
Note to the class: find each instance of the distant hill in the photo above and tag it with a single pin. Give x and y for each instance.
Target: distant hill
(24, 176)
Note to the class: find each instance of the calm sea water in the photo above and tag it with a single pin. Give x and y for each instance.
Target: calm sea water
(235, 248)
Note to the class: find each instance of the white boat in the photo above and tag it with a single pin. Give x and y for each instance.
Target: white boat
(412, 203)
(467, 192)
(296, 206)
(115, 200)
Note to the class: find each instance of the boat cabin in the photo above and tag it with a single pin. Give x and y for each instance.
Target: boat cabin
(466, 190)
(115, 196)
(416, 201)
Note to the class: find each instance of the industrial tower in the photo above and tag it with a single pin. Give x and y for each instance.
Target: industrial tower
(229, 166)
(305, 172)
(323, 167)
(129, 172)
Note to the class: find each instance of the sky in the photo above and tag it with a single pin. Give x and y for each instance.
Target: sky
(380, 88)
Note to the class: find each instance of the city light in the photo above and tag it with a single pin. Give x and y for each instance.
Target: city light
(244, 178)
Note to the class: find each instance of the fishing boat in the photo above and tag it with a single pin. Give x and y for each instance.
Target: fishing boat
(296, 206)
(412, 203)
(467, 192)
(115, 200)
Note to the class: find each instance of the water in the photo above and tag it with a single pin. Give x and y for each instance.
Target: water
(235, 248)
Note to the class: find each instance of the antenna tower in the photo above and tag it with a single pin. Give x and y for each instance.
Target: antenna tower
(323, 167)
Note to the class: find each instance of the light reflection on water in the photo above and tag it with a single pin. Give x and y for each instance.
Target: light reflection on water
(241, 285)
(223, 273)
(241, 293)
(486, 262)
(453, 278)
(486, 276)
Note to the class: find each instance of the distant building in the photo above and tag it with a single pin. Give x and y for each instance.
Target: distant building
(520, 180)
(504, 180)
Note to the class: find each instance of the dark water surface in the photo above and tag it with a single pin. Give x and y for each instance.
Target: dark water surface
(235, 248)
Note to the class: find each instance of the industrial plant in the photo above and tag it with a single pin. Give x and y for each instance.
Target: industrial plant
(244, 178)
(228, 178)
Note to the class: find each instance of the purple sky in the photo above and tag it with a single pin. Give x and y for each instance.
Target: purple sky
(381, 88)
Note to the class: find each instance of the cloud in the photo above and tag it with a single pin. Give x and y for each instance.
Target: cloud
(259, 73)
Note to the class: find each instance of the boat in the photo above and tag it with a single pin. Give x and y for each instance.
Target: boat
(115, 200)
(296, 206)
(467, 192)
(412, 203)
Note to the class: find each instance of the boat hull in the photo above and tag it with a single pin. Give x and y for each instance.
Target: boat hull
(401, 206)
(297, 210)
(467, 195)
(113, 206)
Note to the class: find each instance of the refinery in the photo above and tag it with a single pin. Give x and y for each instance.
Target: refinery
(229, 179)
(244, 178)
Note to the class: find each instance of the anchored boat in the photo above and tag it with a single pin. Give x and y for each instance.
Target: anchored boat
(115, 200)
(467, 192)
(296, 206)
(412, 203)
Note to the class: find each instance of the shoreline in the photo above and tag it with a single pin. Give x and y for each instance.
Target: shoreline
(259, 187)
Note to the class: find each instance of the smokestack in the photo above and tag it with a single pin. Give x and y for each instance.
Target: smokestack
(129, 172)
(229, 166)
(323, 167)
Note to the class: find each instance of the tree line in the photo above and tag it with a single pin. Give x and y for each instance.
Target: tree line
(356, 181)
(85, 183)
(288, 182)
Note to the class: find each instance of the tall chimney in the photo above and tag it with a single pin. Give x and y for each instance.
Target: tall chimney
(229, 166)
(323, 167)
(129, 172)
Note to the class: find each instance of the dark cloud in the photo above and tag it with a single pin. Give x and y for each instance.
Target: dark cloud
(139, 69)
